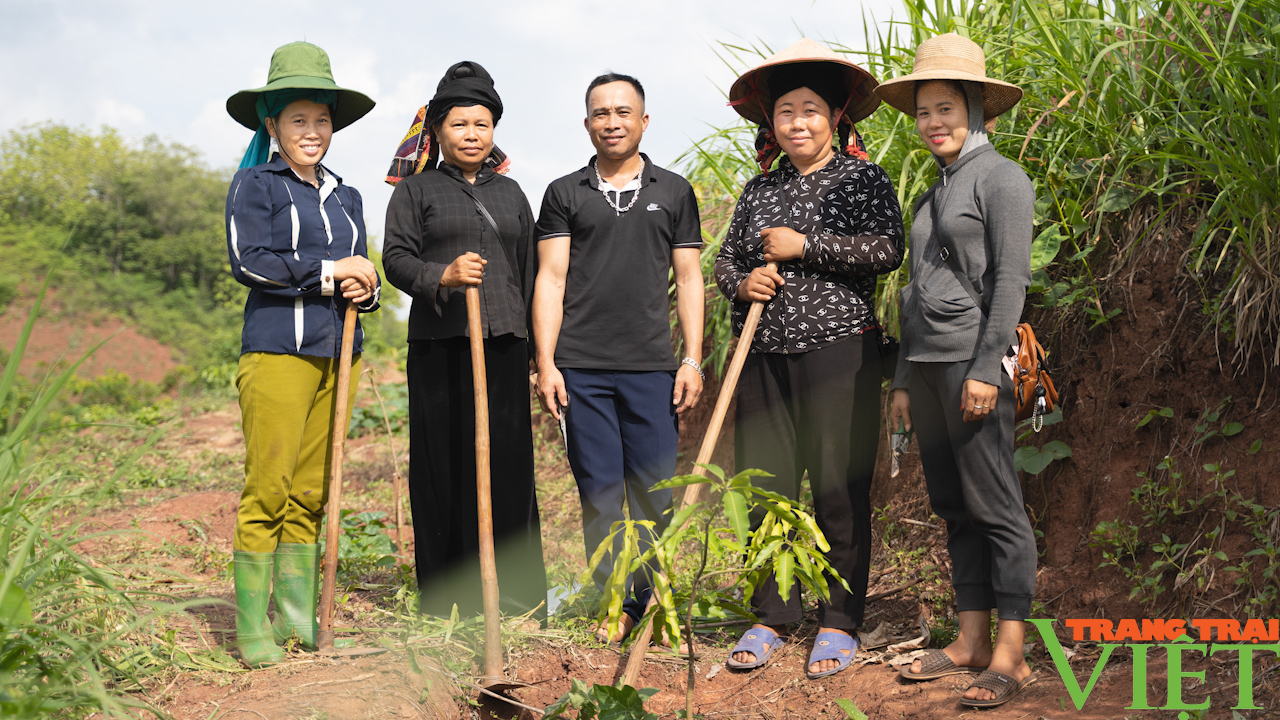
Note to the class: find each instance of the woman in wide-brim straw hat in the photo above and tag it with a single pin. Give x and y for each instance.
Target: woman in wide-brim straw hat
(970, 270)
(296, 238)
(809, 395)
(455, 220)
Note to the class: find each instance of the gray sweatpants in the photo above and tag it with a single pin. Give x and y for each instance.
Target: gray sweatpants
(968, 467)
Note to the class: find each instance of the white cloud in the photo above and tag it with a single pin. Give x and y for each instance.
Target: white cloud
(221, 139)
(127, 118)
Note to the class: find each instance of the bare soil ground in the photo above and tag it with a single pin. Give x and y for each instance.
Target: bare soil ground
(189, 534)
(59, 340)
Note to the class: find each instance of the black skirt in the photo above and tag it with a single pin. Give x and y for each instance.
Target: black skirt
(442, 477)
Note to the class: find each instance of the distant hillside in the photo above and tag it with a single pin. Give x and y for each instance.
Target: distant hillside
(131, 237)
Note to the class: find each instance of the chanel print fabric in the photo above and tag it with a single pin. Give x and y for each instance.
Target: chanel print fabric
(849, 214)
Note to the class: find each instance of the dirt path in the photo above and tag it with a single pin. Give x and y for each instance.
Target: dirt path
(188, 534)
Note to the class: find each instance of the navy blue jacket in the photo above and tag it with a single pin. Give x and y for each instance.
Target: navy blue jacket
(283, 234)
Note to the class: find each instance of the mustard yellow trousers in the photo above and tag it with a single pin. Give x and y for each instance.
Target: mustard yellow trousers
(286, 411)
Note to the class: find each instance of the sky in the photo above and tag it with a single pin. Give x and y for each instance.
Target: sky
(167, 68)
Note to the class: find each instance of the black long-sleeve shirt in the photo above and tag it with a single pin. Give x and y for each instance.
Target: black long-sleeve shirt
(431, 220)
(849, 215)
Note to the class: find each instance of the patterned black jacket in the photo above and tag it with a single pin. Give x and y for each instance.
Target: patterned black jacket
(852, 223)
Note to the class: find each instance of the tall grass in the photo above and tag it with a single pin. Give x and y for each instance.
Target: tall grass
(1172, 108)
(72, 639)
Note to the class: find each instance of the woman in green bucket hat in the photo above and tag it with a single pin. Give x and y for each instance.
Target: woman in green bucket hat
(296, 238)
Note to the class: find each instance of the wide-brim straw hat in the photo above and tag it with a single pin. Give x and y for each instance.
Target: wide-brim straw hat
(950, 57)
(304, 66)
(749, 95)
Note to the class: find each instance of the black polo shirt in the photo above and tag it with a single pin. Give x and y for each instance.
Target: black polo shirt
(616, 303)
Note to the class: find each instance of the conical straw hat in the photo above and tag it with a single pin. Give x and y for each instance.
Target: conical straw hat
(749, 95)
(950, 57)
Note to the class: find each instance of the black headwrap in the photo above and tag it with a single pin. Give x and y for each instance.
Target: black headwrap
(463, 85)
(825, 79)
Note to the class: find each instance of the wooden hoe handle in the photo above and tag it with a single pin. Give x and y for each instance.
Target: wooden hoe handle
(484, 498)
(697, 493)
(333, 517)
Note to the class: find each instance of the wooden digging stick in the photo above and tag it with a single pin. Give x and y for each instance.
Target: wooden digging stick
(333, 517)
(697, 493)
(484, 498)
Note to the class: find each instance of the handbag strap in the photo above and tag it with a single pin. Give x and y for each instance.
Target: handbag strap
(497, 235)
(485, 212)
(948, 255)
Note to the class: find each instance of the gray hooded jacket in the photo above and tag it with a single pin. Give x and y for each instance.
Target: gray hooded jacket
(985, 204)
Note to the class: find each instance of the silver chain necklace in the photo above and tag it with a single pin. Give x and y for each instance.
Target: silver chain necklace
(600, 184)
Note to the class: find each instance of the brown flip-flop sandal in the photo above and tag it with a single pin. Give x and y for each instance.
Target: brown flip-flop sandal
(1005, 688)
(936, 665)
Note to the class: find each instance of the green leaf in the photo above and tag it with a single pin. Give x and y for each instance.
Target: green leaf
(714, 469)
(783, 570)
(735, 511)
(851, 711)
(781, 512)
(768, 548)
(15, 609)
(1116, 199)
(1034, 460)
(1232, 429)
(743, 479)
(770, 495)
(677, 525)
(682, 481)
(1046, 246)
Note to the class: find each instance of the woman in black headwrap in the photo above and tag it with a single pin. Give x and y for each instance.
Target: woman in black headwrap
(464, 223)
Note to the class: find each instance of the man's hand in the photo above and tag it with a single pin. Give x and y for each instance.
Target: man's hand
(467, 269)
(900, 411)
(761, 285)
(977, 399)
(781, 244)
(688, 388)
(551, 389)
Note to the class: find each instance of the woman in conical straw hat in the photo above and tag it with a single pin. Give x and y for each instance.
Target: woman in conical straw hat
(296, 238)
(970, 270)
(809, 395)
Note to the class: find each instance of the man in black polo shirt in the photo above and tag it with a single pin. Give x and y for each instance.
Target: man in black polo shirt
(608, 235)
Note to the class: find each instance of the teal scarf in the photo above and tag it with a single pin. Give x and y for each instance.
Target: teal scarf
(269, 105)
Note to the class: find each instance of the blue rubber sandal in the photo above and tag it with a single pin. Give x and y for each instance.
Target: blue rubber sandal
(753, 642)
(830, 646)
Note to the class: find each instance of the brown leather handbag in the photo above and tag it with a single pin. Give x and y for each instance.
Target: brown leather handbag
(1032, 388)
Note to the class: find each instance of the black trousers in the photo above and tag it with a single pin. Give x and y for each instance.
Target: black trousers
(442, 477)
(973, 486)
(818, 412)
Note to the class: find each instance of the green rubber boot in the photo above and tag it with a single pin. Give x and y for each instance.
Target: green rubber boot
(253, 594)
(296, 586)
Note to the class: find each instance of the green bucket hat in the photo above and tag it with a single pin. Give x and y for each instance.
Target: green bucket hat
(300, 65)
